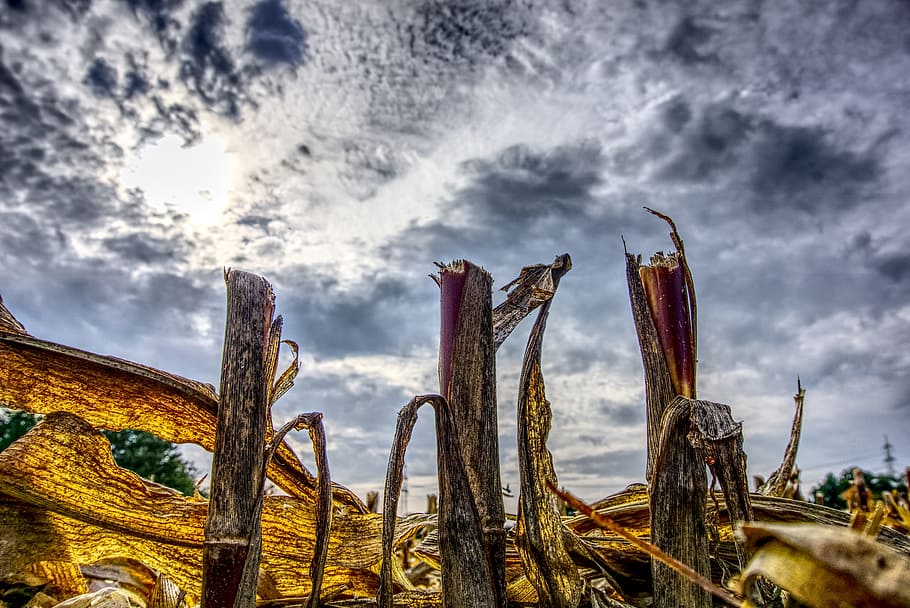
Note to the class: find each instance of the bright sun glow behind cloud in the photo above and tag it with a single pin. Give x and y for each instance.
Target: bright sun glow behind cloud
(194, 180)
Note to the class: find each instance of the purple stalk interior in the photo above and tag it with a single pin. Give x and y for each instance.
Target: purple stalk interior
(451, 286)
(665, 286)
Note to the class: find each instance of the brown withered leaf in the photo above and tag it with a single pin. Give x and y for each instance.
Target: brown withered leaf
(777, 481)
(166, 594)
(540, 535)
(43, 377)
(8, 322)
(313, 423)
(534, 285)
(654, 551)
(80, 507)
(826, 566)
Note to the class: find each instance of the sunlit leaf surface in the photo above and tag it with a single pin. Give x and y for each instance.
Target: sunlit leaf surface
(42, 377)
(66, 500)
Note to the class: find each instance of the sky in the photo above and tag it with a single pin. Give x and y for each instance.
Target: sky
(341, 148)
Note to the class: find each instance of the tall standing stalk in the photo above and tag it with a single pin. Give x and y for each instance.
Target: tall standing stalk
(233, 536)
(664, 310)
(467, 379)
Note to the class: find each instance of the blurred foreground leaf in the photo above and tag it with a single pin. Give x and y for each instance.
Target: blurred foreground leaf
(826, 566)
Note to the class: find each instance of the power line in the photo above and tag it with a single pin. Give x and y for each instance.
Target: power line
(852, 460)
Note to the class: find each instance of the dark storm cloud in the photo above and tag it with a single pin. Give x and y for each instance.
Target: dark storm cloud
(890, 262)
(676, 114)
(102, 295)
(711, 146)
(142, 247)
(273, 35)
(621, 414)
(894, 266)
(86, 202)
(372, 317)
(174, 117)
(101, 78)
(802, 166)
(45, 159)
(21, 235)
(783, 167)
(688, 40)
(208, 69)
(521, 190)
(523, 187)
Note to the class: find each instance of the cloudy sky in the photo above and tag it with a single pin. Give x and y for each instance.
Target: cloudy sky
(340, 148)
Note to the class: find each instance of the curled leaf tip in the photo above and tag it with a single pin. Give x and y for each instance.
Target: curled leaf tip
(8, 322)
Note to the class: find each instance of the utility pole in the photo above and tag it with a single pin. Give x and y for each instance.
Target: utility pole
(889, 458)
(404, 492)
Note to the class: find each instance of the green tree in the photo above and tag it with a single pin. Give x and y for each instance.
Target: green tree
(833, 486)
(140, 452)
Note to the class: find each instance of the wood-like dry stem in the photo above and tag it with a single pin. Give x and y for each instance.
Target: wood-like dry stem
(467, 379)
(233, 538)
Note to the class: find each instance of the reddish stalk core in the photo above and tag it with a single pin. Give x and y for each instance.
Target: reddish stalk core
(451, 286)
(664, 283)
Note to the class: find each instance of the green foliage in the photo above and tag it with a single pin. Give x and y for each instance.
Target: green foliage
(13, 425)
(140, 452)
(833, 487)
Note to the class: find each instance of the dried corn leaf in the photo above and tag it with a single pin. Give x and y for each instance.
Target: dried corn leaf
(654, 551)
(540, 535)
(166, 594)
(313, 423)
(65, 576)
(825, 566)
(629, 508)
(82, 508)
(124, 572)
(33, 533)
(8, 322)
(777, 481)
(42, 377)
(535, 285)
(108, 597)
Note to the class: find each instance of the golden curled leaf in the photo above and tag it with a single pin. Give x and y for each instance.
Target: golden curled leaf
(540, 535)
(64, 499)
(42, 377)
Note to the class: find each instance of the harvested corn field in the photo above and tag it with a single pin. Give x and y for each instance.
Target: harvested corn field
(692, 534)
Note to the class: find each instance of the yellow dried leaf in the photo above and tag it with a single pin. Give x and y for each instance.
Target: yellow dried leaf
(65, 576)
(826, 566)
(42, 377)
(80, 507)
(541, 537)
